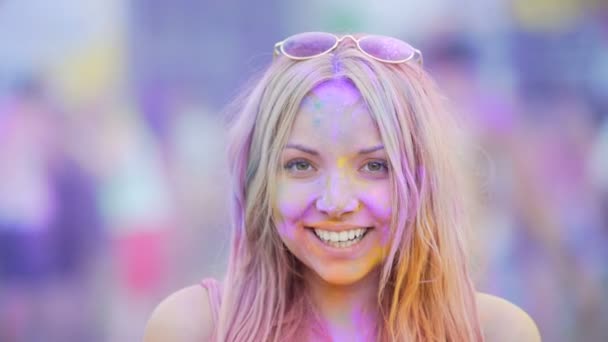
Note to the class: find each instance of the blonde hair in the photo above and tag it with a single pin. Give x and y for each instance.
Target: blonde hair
(425, 292)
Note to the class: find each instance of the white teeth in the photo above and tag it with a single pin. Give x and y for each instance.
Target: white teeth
(333, 236)
(341, 239)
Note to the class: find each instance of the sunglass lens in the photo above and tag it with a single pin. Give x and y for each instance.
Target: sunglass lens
(386, 48)
(309, 44)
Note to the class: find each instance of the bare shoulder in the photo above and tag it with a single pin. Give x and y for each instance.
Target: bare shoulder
(183, 316)
(502, 320)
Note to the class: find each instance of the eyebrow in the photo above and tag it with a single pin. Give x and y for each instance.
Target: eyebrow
(315, 153)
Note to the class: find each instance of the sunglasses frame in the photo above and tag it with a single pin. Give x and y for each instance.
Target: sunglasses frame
(416, 54)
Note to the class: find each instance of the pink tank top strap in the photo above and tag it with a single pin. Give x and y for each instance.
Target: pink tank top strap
(213, 289)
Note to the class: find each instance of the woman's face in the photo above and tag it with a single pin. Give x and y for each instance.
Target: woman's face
(334, 187)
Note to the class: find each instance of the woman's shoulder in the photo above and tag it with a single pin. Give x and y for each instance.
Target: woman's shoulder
(185, 315)
(502, 320)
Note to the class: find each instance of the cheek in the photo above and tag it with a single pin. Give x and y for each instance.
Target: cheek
(293, 201)
(378, 200)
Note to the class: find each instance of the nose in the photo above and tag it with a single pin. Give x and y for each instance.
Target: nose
(337, 198)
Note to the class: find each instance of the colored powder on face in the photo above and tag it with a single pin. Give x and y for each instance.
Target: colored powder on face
(317, 103)
(312, 103)
(317, 122)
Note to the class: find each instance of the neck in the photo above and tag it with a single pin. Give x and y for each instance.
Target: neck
(346, 311)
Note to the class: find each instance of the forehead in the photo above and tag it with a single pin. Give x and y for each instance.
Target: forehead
(336, 90)
(335, 112)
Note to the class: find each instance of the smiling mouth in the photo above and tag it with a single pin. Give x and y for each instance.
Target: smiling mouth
(342, 239)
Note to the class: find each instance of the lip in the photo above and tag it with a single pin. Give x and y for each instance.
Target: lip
(349, 252)
(336, 227)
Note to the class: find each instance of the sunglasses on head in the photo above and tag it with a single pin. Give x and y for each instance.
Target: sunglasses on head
(314, 44)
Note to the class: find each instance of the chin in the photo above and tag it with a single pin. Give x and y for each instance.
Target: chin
(344, 275)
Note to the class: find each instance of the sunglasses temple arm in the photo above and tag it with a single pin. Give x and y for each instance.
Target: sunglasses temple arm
(418, 56)
(277, 50)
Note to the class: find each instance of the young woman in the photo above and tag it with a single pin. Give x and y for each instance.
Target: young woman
(349, 210)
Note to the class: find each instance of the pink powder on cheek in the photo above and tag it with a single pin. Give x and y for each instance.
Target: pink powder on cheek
(287, 209)
(379, 206)
(378, 203)
(293, 204)
(286, 230)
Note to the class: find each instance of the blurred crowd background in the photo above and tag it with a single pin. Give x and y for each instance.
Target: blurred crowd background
(113, 184)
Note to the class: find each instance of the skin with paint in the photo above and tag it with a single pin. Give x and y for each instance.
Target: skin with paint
(335, 179)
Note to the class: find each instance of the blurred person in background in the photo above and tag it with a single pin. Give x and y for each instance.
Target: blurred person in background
(350, 209)
(50, 231)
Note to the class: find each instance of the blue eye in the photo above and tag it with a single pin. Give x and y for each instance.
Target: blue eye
(376, 166)
(298, 165)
